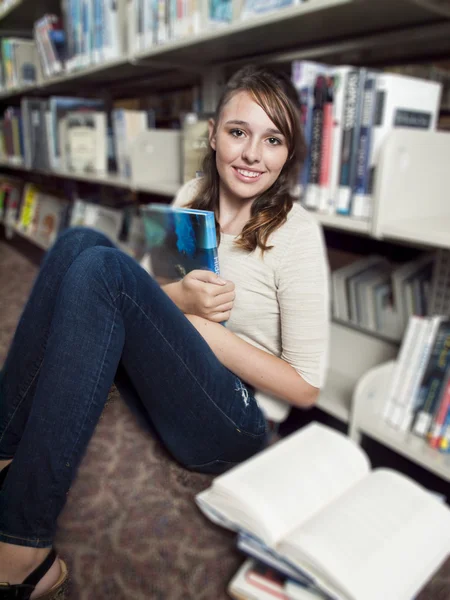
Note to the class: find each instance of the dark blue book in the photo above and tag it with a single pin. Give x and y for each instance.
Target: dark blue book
(179, 240)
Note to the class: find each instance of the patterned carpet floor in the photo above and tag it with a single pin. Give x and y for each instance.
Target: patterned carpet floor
(130, 529)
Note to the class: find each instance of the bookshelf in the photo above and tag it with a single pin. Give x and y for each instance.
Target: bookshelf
(354, 31)
(368, 399)
(111, 179)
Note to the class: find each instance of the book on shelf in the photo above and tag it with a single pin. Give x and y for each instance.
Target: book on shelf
(36, 154)
(366, 106)
(195, 144)
(104, 218)
(59, 107)
(417, 394)
(253, 8)
(354, 533)
(179, 240)
(50, 39)
(84, 147)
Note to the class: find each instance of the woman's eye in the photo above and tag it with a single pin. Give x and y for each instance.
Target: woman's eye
(237, 133)
(274, 141)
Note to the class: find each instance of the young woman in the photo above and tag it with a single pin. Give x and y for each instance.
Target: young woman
(210, 391)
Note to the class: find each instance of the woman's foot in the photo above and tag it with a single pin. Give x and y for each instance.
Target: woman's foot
(4, 463)
(18, 562)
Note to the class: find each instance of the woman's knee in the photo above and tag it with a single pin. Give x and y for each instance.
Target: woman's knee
(80, 238)
(96, 267)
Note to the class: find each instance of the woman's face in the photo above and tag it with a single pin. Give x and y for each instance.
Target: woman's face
(250, 150)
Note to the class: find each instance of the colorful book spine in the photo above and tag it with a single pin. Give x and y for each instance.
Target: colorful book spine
(312, 190)
(361, 202)
(327, 147)
(439, 422)
(350, 139)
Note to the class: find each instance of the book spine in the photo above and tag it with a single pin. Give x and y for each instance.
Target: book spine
(444, 439)
(435, 383)
(349, 126)
(312, 190)
(396, 381)
(413, 391)
(327, 148)
(361, 202)
(438, 424)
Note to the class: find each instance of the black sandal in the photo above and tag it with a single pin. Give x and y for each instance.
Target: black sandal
(23, 591)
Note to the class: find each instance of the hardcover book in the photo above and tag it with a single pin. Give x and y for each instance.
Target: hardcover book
(349, 531)
(179, 240)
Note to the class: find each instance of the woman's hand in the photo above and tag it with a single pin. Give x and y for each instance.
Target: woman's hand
(205, 294)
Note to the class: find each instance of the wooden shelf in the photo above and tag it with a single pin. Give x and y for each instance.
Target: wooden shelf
(368, 402)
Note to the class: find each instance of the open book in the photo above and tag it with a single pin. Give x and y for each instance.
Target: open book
(357, 534)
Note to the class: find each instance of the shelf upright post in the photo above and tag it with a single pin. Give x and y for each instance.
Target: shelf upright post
(213, 82)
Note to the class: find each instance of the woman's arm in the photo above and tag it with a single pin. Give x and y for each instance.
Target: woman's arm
(260, 369)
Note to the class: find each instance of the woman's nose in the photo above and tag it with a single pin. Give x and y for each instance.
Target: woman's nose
(252, 152)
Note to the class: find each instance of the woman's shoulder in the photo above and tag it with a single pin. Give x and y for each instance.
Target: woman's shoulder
(300, 227)
(186, 193)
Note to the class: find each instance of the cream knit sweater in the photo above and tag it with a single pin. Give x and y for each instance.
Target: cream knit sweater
(282, 298)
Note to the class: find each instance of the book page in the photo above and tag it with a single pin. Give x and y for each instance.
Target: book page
(283, 486)
(380, 540)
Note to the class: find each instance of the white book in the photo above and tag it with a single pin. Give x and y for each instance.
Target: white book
(85, 143)
(115, 29)
(312, 497)
(401, 102)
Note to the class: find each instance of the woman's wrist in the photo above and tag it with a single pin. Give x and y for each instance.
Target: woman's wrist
(175, 293)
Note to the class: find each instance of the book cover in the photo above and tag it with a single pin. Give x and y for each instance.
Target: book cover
(179, 240)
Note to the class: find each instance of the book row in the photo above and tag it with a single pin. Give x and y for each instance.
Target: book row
(418, 398)
(40, 213)
(347, 113)
(380, 296)
(93, 32)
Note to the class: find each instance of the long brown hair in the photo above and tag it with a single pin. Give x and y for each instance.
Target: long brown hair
(276, 95)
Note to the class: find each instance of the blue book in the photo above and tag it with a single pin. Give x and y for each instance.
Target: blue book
(179, 240)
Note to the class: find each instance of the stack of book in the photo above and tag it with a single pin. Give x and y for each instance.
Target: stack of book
(311, 509)
(347, 113)
(379, 296)
(419, 392)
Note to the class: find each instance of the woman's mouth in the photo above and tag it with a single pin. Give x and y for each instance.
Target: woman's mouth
(247, 175)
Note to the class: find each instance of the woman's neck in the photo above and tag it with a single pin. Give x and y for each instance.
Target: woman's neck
(233, 214)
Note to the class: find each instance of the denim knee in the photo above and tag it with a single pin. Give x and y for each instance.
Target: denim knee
(81, 237)
(96, 267)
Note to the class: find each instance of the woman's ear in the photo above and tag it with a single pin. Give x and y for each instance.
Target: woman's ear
(212, 133)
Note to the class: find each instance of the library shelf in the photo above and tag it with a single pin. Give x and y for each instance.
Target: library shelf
(303, 25)
(111, 179)
(429, 231)
(344, 223)
(366, 419)
(18, 14)
(335, 398)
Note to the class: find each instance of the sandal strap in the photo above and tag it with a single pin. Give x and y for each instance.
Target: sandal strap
(19, 591)
(39, 572)
(23, 591)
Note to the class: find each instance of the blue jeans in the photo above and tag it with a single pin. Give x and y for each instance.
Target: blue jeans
(94, 313)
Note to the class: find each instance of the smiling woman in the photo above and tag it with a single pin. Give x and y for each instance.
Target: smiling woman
(95, 316)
